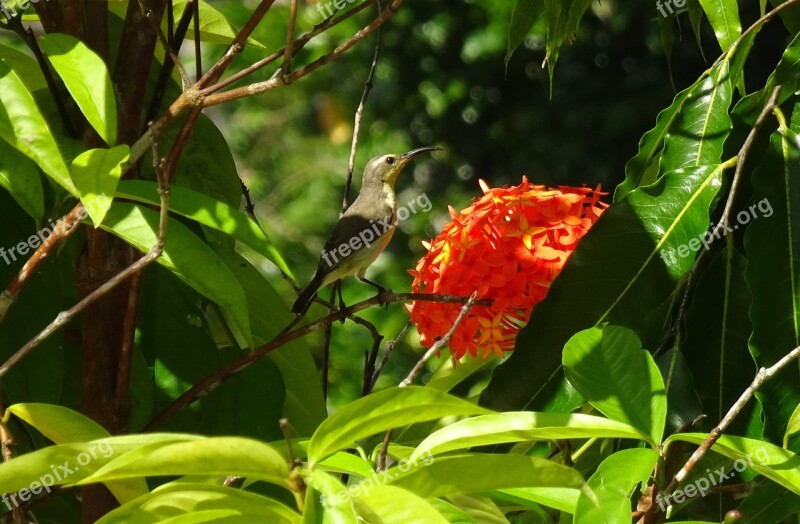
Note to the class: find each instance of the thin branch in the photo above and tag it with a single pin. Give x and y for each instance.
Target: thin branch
(280, 81)
(198, 55)
(741, 157)
(297, 46)
(417, 369)
(326, 346)
(359, 114)
(369, 356)
(63, 228)
(288, 50)
(762, 376)
(213, 381)
(154, 25)
(387, 351)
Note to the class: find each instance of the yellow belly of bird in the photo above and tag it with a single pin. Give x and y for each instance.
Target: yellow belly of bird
(358, 261)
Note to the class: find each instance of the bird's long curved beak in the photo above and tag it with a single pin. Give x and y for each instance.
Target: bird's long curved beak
(418, 151)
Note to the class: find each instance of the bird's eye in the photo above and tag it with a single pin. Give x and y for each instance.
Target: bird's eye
(390, 160)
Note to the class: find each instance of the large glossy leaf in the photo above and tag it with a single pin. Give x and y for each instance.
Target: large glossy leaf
(769, 502)
(609, 368)
(96, 173)
(328, 501)
(19, 176)
(205, 456)
(724, 18)
(698, 134)
(775, 463)
(26, 67)
(624, 271)
(522, 426)
(381, 411)
(773, 276)
(185, 255)
(613, 484)
(87, 80)
(718, 327)
(24, 128)
(642, 169)
(188, 499)
(208, 211)
(476, 473)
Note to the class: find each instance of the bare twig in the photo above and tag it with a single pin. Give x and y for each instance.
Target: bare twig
(213, 381)
(371, 355)
(198, 55)
(387, 351)
(762, 376)
(359, 114)
(63, 228)
(154, 25)
(436, 347)
(288, 50)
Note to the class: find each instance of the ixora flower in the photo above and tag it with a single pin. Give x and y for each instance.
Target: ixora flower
(508, 246)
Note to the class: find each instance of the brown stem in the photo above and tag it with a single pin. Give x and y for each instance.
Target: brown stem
(286, 67)
(762, 376)
(213, 381)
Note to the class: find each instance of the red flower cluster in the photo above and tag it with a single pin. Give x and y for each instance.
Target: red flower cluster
(508, 245)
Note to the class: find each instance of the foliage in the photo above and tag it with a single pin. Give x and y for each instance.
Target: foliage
(183, 390)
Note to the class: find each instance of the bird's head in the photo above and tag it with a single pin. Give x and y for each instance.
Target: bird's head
(385, 169)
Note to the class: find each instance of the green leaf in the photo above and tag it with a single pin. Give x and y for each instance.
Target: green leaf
(718, 327)
(698, 134)
(624, 271)
(328, 501)
(381, 411)
(792, 427)
(21, 179)
(87, 80)
(96, 173)
(24, 128)
(450, 374)
(174, 500)
(25, 66)
(481, 509)
(773, 276)
(613, 484)
(769, 502)
(683, 403)
(777, 464)
(522, 19)
(498, 428)
(397, 506)
(304, 404)
(204, 456)
(608, 366)
(76, 461)
(185, 255)
(57, 423)
(724, 18)
(562, 499)
(642, 169)
(214, 27)
(208, 211)
(476, 473)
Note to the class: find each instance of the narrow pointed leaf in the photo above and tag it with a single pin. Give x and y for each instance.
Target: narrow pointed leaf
(724, 18)
(19, 176)
(381, 411)
(522, 19)
(96, 173)
(522, 426)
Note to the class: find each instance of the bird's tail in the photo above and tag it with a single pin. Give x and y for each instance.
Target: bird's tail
(303, 302)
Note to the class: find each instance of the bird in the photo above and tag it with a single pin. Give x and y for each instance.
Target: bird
(363, 230)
